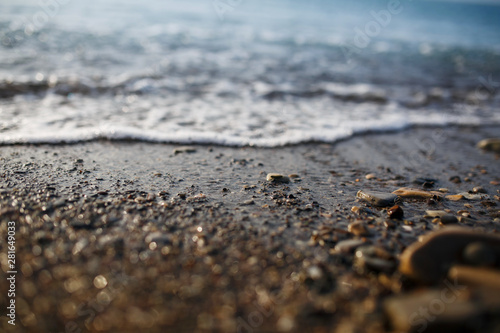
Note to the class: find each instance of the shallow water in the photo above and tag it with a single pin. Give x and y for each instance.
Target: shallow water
(236, 72)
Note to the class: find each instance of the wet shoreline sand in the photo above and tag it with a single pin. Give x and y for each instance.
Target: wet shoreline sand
(125, 236)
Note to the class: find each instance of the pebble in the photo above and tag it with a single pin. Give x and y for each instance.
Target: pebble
(407, 192)
(492, 145)
(187, 150)
(371, 176)
(348, 245)
(448, 219)
(374, 258)
(395, 212)
(473, 196)
(435, 213)
(379, 199)
(478, 189)
(455, 197)
(277, 178)
(479, 254)
(443, 190)
(481, 277)
(358, 228)
(455, 179)
(412, 312)
(428, 260)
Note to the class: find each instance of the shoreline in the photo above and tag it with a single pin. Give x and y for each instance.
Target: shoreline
(401, 130)
(119, 236)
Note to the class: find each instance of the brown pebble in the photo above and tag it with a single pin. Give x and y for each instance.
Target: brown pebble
(370, 176)
(455, 179)
(428, 261)
(407, 192)
(481, 277)
(478, 189)
(455, 197)
(407, 312)
(396, 212)
(358, 229)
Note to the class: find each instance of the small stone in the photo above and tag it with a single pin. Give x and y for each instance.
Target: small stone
(405, 312)
(428, 260)
(100, 282)
(348, 245)
(379, 199)
(407, 192)
(370, 176)
(479, 254)
(455, 197)
(478, 189)
(277, 178)
(473, 196)
(358, 229)
(395, 212)
(423, 180)
(248, 202)
(293, 175)
(495, 182)
(474, 276)
(187, 150)
(435, 213)
(444, 190)
(448, 219)
(492, 145)
(455, 179)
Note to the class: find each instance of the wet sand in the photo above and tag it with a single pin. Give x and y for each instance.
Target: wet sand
(127, 237)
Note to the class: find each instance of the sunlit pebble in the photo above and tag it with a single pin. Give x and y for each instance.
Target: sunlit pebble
(100, 282)
(195, 239)
(153, 246)
(39, 76)
(37, 250)
(199, 229)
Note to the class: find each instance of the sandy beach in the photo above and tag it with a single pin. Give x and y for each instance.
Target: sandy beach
(127, 236)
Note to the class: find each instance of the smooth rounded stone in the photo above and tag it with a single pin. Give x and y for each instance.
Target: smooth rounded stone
(407, 192)
(479, 254)
(435, 213)
(373, 251)
(370, 176)
(365, 264)
(448, 219)
(479, 189)
(277, 178)
(474, 276)
(378, 199)
(492, 144)
(395, 212)
(411, 312)
(455, 197)
(428, 260)
(444, 190)
(455, 179)
(348, 245)
(358, 228)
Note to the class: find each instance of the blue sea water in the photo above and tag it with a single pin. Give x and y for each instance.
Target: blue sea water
(243, 72)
